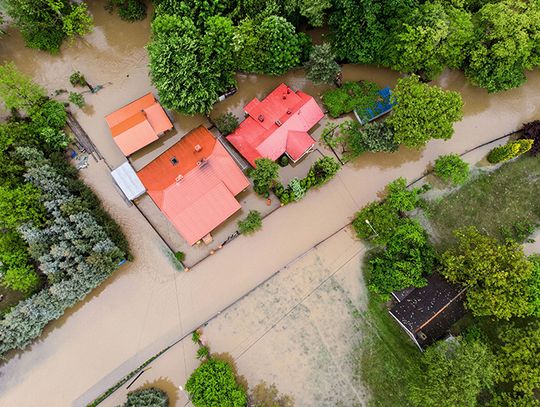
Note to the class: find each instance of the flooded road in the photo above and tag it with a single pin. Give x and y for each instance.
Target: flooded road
(147, 304)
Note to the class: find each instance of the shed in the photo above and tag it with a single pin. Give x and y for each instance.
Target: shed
(126, 178)
(428, 313)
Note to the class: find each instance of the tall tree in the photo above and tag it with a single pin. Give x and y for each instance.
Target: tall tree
(321, 66)
(423, 112)
(496, 275)
(454, 374)
(45, 24)
(506, 44)
(17, 90)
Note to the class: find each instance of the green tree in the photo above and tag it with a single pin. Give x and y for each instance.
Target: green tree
(213, 384)
(454, 374)
(506, 44)
(264, 175)
(189, 69)
(45, 24)
(423, 112)
(16, 269)
(510, 150)
(313, 10)
(518, 362)
(321, 66)
(128, 10)
(17, 90)
(149, 397)
(227, 123)
(496, 275)
(451, 168)
(407, 258)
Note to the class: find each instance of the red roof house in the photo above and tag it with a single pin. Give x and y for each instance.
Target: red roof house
(138, 124)
(278, 124)
(194, 183)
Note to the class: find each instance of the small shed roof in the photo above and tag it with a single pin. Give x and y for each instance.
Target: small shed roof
(138, 124)
(427, 313)
(126, 178)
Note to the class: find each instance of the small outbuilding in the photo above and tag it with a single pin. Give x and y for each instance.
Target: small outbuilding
(428, 313)
(277, 125)
(127, 180)
(138, 124)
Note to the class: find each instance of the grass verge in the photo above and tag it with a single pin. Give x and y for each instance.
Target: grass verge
(503, 203)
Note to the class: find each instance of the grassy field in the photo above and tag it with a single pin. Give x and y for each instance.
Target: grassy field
(503, 203)
(389, 361)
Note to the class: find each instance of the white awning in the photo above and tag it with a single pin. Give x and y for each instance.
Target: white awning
(126, 178)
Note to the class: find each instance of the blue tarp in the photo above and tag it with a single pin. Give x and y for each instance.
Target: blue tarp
(382, 107)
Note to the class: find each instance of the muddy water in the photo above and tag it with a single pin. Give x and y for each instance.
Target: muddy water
(147, 302)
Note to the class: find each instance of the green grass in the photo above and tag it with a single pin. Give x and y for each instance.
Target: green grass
(389, 361)
(503, 203)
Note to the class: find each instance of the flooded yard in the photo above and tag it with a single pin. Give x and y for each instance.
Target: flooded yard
(148, 304)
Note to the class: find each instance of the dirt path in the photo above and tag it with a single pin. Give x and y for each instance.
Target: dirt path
(148, 304)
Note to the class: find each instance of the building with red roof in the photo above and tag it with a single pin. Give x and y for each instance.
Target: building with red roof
(138, 124)
(195, 183)
(277, 125)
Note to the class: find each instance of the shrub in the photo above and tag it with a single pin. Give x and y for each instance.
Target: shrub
(203, 352)
(77, 99)
(151, 397)
(264, 175)
(324, 169)
(509, 151)
(213, 384)
(128, 10)
(401, 198)
(251, 223)
(352, 95)
(283, 160)
(297, 189)
(227, 123)
(180, 256)
(196, 336)
(264, 395)
(77, 79)
(531, 131)
(451, 168)
(382, 220)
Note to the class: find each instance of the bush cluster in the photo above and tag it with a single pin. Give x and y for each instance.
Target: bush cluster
(451, 168)
(264, 176)
(320, 172)
(150, 397)
(251, 223)
(509, 151)
(128, 10)
(77, 79)
(351, 96)
(227, 123)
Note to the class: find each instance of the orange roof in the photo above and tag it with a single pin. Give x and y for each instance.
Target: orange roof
(138, 124)
(204, 196)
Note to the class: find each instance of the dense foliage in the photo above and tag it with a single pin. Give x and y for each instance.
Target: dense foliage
(322, 171)
(150, 397)
(509, 151)
(128, 10)
(46, 24)
(454, 374)
(531, 131)
(321, 66)
(197, 46)
(264, 176)
(213, 384)
(251, 223)
(227, 123)
(423, 112)
(52, 223)
(351, 96)
(497, 276)
(451, 168)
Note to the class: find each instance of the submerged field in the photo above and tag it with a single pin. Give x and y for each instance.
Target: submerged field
(503, 203)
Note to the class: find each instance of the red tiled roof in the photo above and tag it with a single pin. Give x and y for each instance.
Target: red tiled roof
(204, 197)
(138, 124)
(276, 124)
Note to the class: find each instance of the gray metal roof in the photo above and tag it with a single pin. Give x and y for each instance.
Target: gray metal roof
(126, 178)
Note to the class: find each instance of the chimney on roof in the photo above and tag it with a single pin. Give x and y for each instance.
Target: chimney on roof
(278, 122)
(284, 96)
(201, 163)
(289, 111)
(198, 148)
(261, 118)
(179, 178)
(288, 90)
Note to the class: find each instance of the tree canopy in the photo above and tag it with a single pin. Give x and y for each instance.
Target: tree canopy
(423, 112)
(497, 276)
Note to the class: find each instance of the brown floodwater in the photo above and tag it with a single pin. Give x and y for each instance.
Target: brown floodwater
(147, 302)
